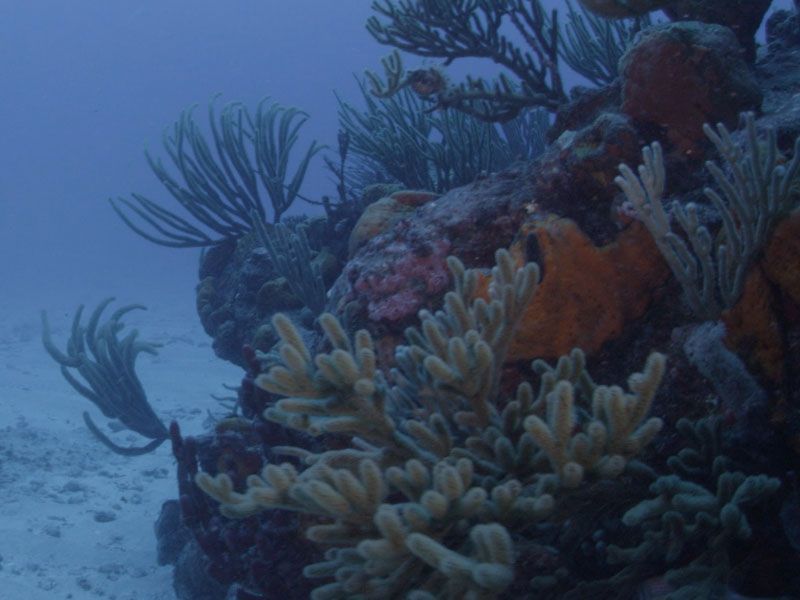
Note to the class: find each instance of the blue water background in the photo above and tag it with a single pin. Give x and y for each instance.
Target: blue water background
(86, 84)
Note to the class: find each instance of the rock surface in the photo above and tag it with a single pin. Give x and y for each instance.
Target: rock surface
(680, 75)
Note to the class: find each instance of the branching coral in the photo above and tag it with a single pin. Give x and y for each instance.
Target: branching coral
(438, 473)
(223, 180)
(455, 29)
(703, 504)
(290, 255)
(487, 29)
(758, 192)
(592, 46)
(107, 365)
(434, 151)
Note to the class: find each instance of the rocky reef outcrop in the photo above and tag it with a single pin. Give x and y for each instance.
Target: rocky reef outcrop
(472, 481)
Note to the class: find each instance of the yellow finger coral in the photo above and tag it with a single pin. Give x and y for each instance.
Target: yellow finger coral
(436, 476)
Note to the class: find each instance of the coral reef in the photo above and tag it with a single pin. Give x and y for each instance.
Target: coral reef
(400, 271)
(382, 214)
(403, 445)
(465, 468)
(290, 255)
(241, 287)
(241, 552)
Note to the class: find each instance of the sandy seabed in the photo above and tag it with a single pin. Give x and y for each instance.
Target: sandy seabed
(76, 520)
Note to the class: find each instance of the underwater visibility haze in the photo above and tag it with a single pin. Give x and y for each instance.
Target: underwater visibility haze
(426, 299)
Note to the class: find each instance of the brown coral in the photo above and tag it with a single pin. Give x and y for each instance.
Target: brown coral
(753, 329)
(781, 260)
(753, 325)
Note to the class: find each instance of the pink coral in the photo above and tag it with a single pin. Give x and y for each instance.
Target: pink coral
(403, 286)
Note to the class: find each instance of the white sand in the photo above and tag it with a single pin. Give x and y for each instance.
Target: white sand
(57, 480)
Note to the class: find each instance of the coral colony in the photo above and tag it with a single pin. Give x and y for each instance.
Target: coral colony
(417, 417)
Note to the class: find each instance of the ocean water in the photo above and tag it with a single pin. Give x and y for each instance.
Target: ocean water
(87, 86)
